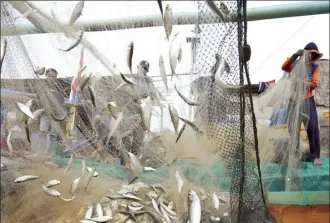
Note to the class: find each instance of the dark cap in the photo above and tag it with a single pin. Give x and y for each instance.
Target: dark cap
(145, 65)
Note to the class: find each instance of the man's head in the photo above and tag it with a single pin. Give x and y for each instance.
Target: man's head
(143, 67)
(51, 73)
(314, 51)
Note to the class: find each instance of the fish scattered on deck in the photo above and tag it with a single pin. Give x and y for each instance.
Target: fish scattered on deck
(67, 199)
(69, 164)
(179, 181)
(52, 183)
(89, 169)
(89, 177)
(99, 210)
(74, 185)
(194, 207)
(51, 192)
(25, 178)
(89, 212)
(215, 201)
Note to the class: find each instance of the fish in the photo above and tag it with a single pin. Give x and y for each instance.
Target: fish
(146, 112)
(180, 132)
(25, 110)
(185, 99)
(148, 169)
(131, 196)
(89, 211)
(100, 219)
(50, 191)
(168, 21)
(52, 183)
(164, 213)
(224, 9)
(40, 70)
(112, 107)
(222, 199)
(25, 178)
(135, 164)
(67, 199)
(99, 210)
(168, 209)
(86, 221)
(3, 50)
(84, 80)
(108, 211)
(155, 206)
(37, 115)
(162, 71)
(10, 146)
(215, 201)
(215, 219)
(192, 125)
(128, 80)
(89, 177)
(130, 51)
(57, 119)
(76, 42)
(76, 13)
(179, 181)
(223, 66)
(194, 207)
(74, 185)
(160, 7)
(174, 53)
(134, 209)
(89, 169)
(69, 164)
(170, 205)
(92, 94)
(83, 167)
(130, 214)
(216, 10)
(174, 117)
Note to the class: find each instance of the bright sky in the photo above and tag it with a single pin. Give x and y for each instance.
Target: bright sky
(271, 40)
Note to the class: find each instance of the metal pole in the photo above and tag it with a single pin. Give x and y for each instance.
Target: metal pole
(253, 14)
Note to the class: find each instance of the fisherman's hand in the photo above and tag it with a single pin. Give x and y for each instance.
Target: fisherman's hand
(299, 53)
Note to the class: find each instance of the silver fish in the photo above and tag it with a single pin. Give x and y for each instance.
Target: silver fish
(222, 67)
(164, 213)
(128, 80)
(89, 177)
(67, 199)
(25, 178)
(216, 10)
(174, 53)
(180, 132)
(215, 201)
(194, 207)
(174, 117)
(148, 169)
(162, 71)
(134, 209)
(74, 185)
(3, 50)
(170, 205)
(108, 211)
(52, 183)
(27, 131)
(25, 110)
(168, 209)
(76, 13)
(160, 7)
(89, 169)
(40, 70)
(192, 125)
(146, 112)
(92, 94)
(83, 167)
(89, 212)
(86, 221)
(112, 109)
(50, 191)
(168, 21)
(99, 210)
(131, 196)
(130, 51)
(76, 42)
(154, 204)
(185, 99)
(69, 164)
(100, 219)
(10, 146)
(37, 115)
(135, 164)
(179, 181)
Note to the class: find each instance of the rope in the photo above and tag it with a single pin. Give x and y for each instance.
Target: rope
(252, 108)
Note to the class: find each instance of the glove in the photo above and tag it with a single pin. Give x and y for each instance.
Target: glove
(299, 53)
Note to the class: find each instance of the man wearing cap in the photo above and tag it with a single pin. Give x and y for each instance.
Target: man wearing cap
(314, 78)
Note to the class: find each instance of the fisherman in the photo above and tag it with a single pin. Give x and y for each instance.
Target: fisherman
(309, 102)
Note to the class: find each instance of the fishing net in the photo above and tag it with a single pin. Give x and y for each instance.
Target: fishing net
(217, 154)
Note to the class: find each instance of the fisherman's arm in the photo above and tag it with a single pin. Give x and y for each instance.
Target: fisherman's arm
(288, 64)
(315, 79)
